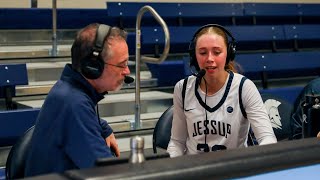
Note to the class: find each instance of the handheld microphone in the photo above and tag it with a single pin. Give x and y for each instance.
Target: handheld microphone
(201, 73)
(128, 79)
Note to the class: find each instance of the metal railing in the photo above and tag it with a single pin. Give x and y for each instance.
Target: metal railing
(54, 29)
(147, 59)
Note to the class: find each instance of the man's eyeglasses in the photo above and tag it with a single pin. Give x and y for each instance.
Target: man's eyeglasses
(119, 66)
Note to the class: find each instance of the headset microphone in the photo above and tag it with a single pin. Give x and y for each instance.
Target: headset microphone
(128, 79)
(201, 73)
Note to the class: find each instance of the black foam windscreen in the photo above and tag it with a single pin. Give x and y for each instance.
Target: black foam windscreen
(231, 46)
(128, 79)
(92, 66)
(201, 73)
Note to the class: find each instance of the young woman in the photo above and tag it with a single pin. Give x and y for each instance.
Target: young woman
(215, 109)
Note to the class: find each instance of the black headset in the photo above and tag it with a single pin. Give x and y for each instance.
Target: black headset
(231, 48)
(92, 65)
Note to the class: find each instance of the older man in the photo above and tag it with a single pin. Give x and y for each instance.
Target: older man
(69, 133)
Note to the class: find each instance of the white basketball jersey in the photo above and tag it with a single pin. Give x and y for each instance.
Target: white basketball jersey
(215, 120)
(209, 123)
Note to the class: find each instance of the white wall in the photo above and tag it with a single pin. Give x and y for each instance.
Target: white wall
(102, 3)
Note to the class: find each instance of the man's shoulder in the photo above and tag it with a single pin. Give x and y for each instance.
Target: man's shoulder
(64, 92)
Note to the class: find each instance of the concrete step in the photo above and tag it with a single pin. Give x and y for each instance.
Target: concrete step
(29, 37)
(122, 104)
(34, 43)
(119, 109)
(45, 87)
(46, 71)
(33, 51)
(126, 122)
(42, 87)
(42, 74)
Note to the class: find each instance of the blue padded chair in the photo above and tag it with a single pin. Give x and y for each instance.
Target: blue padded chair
(162, 130)
(15, 164)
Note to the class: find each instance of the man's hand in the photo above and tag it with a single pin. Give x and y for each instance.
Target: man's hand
(112, 143)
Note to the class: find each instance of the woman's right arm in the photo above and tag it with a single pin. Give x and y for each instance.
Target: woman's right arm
(179, 131)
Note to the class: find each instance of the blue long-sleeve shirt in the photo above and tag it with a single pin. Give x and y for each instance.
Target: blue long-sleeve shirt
(68, 133)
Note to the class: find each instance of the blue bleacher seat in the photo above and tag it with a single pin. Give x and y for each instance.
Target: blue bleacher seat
(168, 73)
(258, 66)
(176, 14)
(71, 18)
(266, 37)
(282, 64)
(303, 36)
(266, 66)
(292, 64)
(262, 37)
(251, 65)
(25, 18)
(130, 9)
(11, 75)
(179, 38)
(41, 18)
(153, 38)
(14, 123)
(126, 13)
(131, 41)
(272, 13)
(208, 13)
(270, 9)
(309, 13)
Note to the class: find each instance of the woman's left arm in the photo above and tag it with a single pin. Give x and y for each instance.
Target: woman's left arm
(257, 114)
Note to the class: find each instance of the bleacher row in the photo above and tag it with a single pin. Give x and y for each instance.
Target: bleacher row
(175, 14)
(273, 40)
(266, 25)
(261, 67)
(273, 49)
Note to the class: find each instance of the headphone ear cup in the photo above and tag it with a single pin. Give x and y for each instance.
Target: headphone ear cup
(231, 52)
(92, 68)
(193, 59)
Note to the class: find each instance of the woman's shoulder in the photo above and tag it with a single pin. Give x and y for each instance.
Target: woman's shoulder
(190, 79)
(239, 76)
(247, 82)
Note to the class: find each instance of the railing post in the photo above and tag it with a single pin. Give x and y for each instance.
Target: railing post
(34, 3)
(54, 28)
(147, 59)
